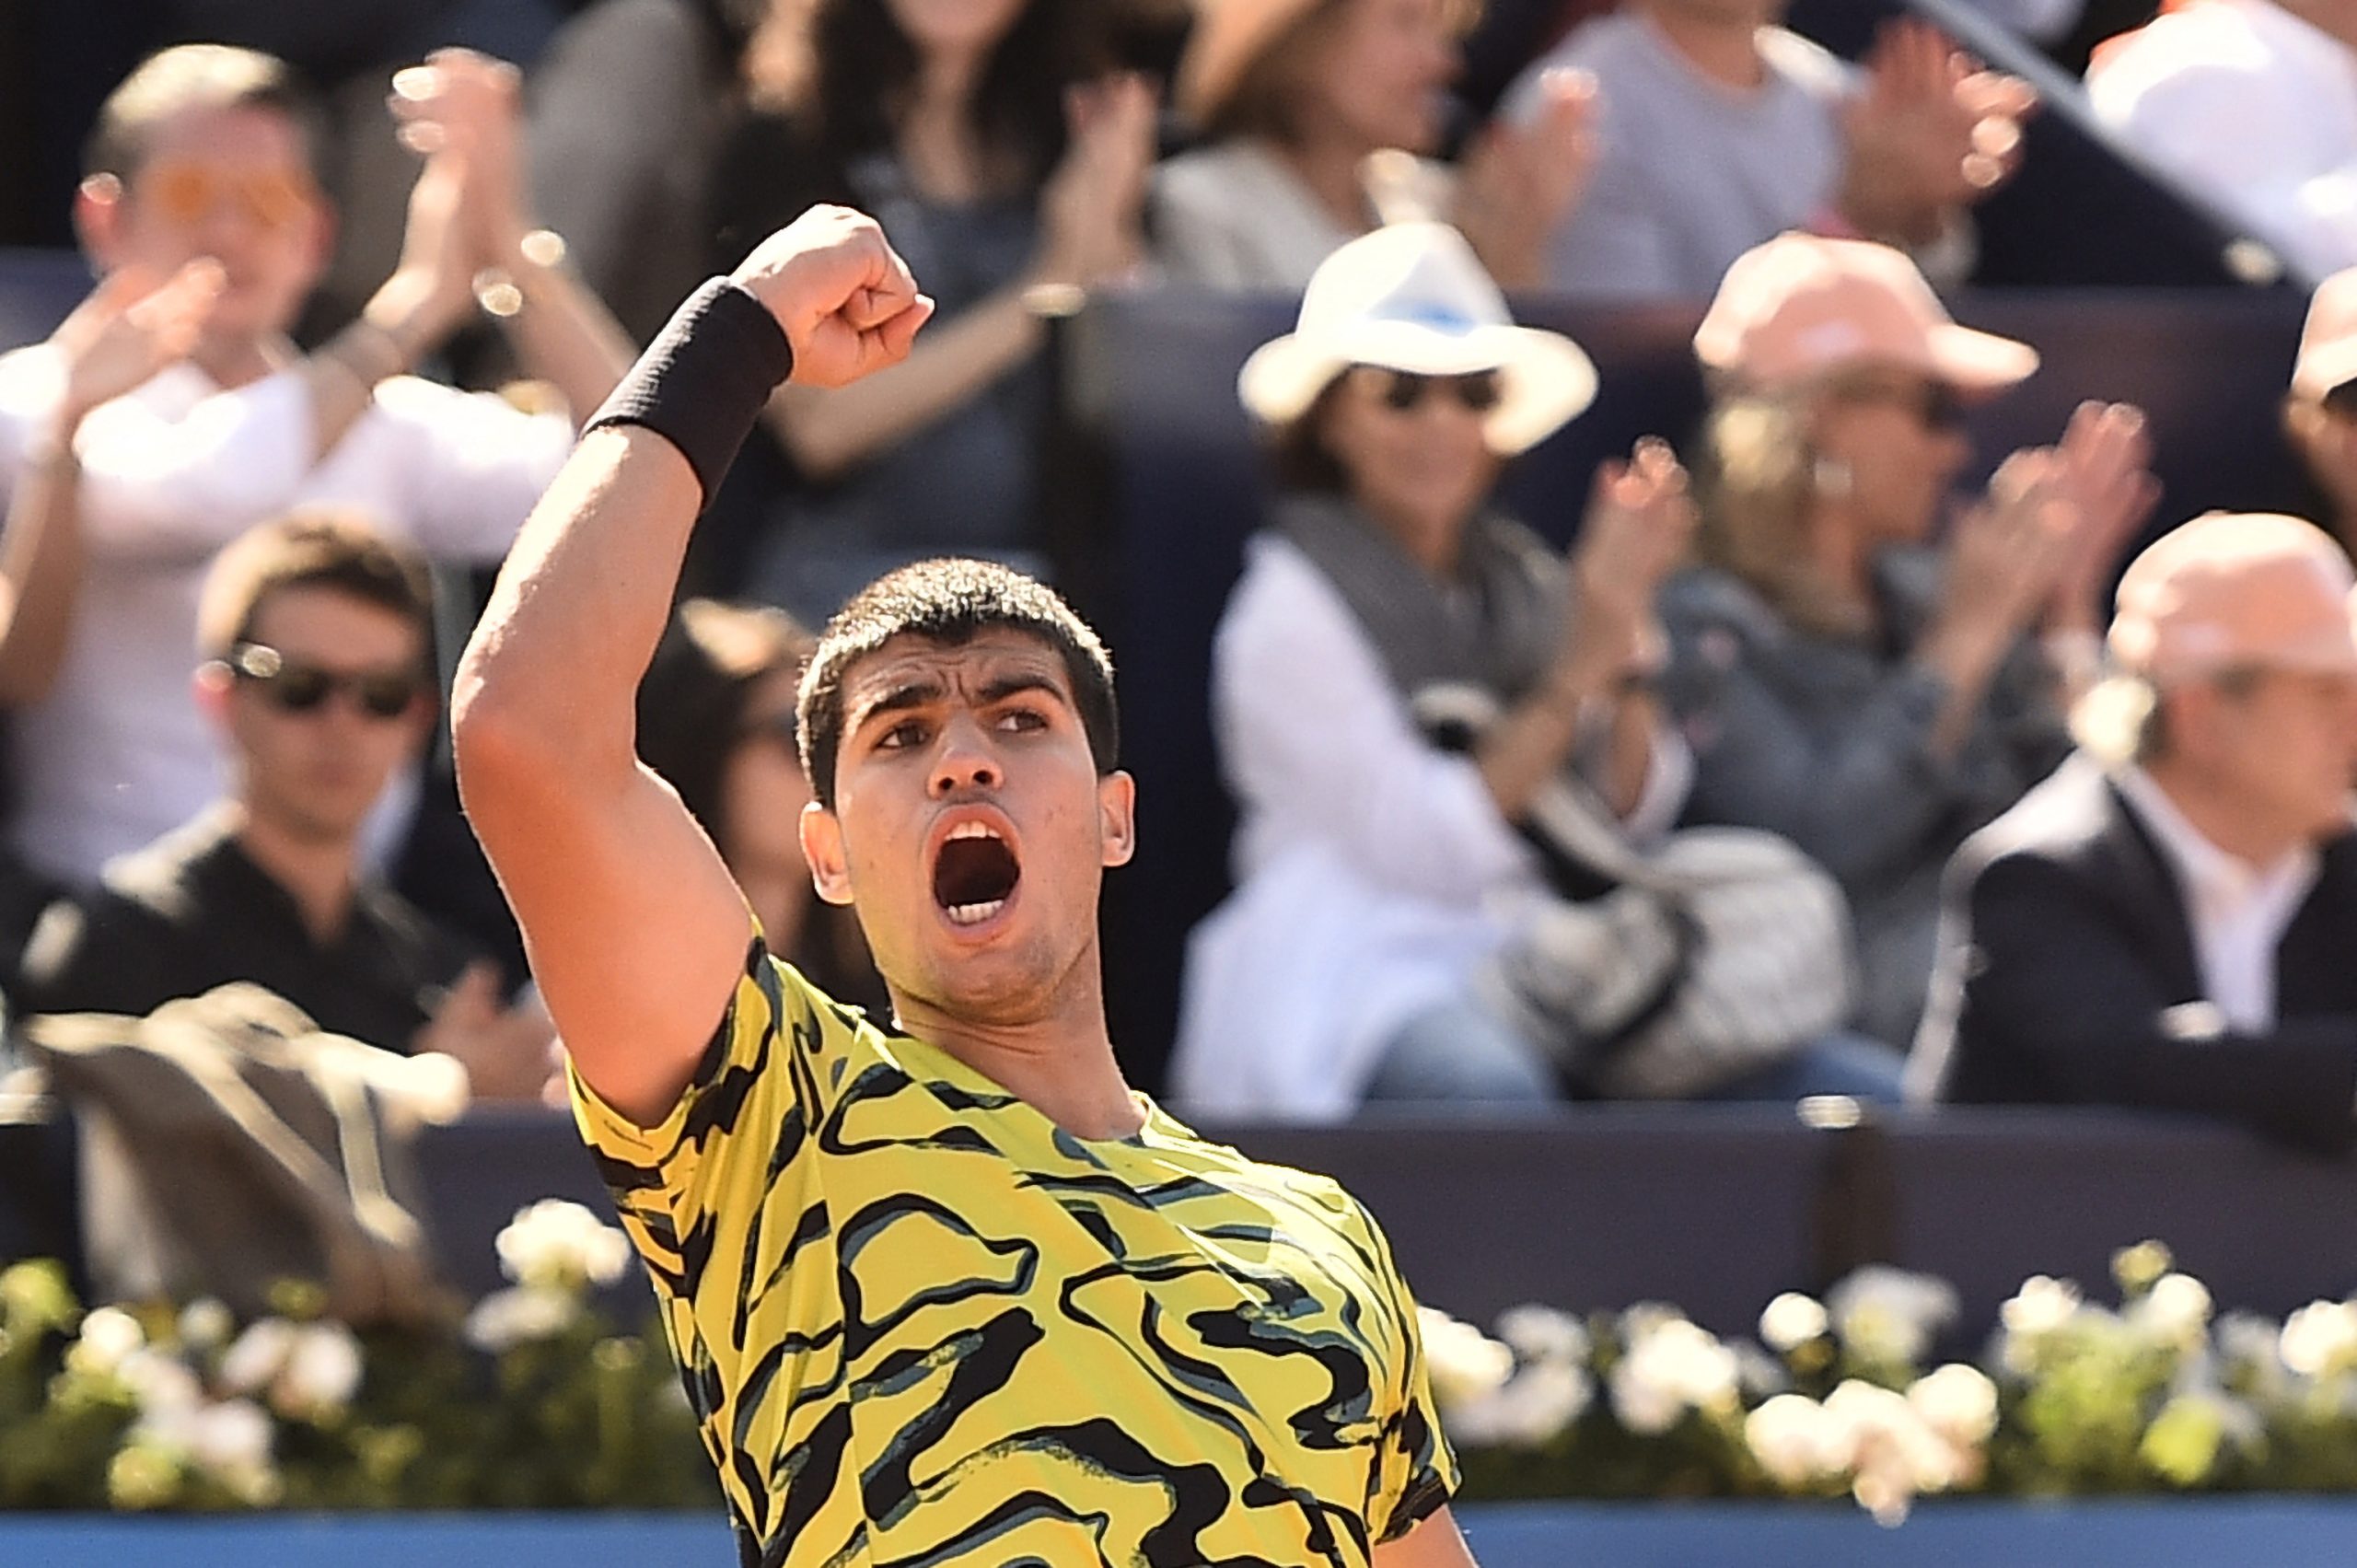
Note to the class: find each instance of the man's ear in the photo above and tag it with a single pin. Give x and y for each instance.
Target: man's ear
(822, 847)
(1116, 817)
(97, 219)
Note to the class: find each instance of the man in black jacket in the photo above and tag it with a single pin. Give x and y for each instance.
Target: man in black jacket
(2171, 920)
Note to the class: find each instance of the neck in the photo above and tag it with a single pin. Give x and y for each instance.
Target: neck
(1059, 1062)
(239, 361)
(318, 874)
(1726, 50)
(1326, 163)
(1433, 543)
(1843, 562)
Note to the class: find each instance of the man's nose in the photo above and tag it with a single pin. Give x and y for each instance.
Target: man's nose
(964, 759)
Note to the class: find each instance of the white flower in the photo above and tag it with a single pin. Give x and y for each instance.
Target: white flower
(1464, 1364)
(231, 1441)
(2320, 1338)
(2175, 1311)
(1668, 1370)
(1534, 1407)
(207, 1323)
(1898, 1456)
(257, 1357)
(553, 1243)
(108, 1334)
(1959, 1402)
(1797, 1442)
(1890, 1315)
(519, 1314)
(162, 1383)
(1792, 1320)
(2042, 1307)
(321, 1374)
(1542, 1333)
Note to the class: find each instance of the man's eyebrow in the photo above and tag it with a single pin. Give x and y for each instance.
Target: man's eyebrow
(1007, 686)
(898, 699)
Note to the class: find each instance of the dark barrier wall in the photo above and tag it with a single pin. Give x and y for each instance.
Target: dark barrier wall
(1713, 1208)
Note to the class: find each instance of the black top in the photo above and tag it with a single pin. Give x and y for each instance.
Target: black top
(191, 912)
(2067, 964)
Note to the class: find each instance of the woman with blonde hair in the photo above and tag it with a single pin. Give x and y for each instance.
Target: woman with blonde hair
(1849, 675)
(1316, 118)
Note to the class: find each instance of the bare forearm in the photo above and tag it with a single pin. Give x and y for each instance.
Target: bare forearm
(582, 602)
(1629, 751)
(563, 334)
(827, 434)
(40, 566)
(401, 323)
(1529, 744)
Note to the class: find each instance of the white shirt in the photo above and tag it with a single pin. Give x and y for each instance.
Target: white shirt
(2254, 109)
(118, 754)
(2238, 911)
(1375, 872)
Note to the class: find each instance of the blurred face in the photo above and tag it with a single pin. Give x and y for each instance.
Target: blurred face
(234, 184)
(1377, 71)
(955, 26)
(2282, 751)
(763, 790)
(1899, 437)
(326, 699)
(1412, 452)
(970, 826)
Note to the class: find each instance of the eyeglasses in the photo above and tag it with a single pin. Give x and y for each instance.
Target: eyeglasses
(1402, 392)
(296, 686)
(1936, 404)
(186, 192)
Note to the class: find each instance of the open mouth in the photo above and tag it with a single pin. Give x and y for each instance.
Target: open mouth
(973, 873)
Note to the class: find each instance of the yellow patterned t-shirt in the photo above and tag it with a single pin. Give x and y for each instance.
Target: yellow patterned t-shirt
(921, 1324)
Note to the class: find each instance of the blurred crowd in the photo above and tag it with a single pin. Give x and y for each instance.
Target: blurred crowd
(1807, 769)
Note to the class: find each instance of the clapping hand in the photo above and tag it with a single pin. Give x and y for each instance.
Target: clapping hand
(465, 109)
(127, 330)
(1931, 132)
(2104, 470)
(1639, 527)
(509, 1052)
(1522, 180)
(1089, 208)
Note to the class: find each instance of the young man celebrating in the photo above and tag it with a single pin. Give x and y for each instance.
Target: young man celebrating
(947, 1291)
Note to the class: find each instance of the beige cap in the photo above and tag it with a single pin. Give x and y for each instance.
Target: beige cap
(1229, 36)
(2329, 341)
(1799, 305)
(2235, 590)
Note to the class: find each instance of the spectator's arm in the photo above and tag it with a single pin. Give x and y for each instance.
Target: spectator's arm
(2043, 973)
(1311, 731)
(40, 567)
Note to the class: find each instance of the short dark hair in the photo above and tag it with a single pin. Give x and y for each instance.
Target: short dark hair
(195, 75)
(311, 550)
(950, 602)
(1301, 461)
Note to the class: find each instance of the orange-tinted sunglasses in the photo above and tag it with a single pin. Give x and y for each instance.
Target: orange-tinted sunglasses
(186, 192)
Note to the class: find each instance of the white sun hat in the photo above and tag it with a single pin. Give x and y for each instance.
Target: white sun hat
(1411, 297)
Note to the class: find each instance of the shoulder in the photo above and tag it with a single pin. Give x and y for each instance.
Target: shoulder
(1703, 599)
(1806, 65)
(1208, 181)
(2061, 826)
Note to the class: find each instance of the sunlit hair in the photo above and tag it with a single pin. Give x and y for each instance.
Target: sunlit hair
(696, 696)
(311, 550)
(195, 75)
(950, 602)
(2123, 720)
(1756, 490)
(846, 71)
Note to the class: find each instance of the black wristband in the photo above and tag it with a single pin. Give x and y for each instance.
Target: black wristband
(702, 382)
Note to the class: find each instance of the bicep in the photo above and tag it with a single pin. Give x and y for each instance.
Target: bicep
(636, 932)
(1434, 1542)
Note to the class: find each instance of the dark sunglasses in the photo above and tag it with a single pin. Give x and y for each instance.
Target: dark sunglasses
(295, 687)
(1403, 391)
(1936, 404)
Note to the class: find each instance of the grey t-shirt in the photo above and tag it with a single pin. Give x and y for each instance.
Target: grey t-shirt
(1691, 173)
